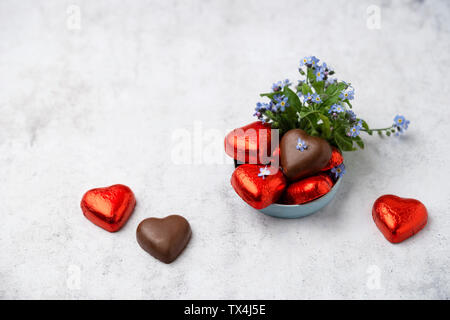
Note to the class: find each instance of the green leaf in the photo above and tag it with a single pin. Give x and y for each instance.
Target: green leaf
(270, 95)
(326, 126)
(364, 124)
(306, 89)
(388, 133)
(310, 75)
(345, 143)
(359, 142)
(293, 98)
(341, 86)
(319, 85)
(301, 71)
(349, 104)
(294, 106)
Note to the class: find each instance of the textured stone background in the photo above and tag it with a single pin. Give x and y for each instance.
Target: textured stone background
(97, 106)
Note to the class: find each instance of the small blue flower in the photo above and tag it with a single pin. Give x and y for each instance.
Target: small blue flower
(320, 74)
(399, 121)
(263, 172)
(273, 107)
(352, 115)
(401, 124)
(307, 98)
(299, 94)
(279, 85)
(283, 103)
(326, 68)
(338, 171)
(347, 95)
(336, 108)
(359, 124)
(316, 98)
(305, 61)
(314, 61)
(351, 94)
(354, 130)
(301, 145)
(260, 106)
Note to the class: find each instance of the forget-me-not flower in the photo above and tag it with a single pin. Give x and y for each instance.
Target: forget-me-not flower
(301, 145)
(338, 171)
(316, 98)
(263, 172)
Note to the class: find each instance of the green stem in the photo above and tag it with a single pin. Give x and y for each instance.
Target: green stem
(311, 112)
(382, 129)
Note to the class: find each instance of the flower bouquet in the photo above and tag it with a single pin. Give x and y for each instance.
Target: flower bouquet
(291, 158)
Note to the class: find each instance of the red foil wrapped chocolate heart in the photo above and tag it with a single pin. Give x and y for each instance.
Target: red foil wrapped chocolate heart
(399, 218)
(250, 144)
(258, 185)
(335, 160)
(110, 207)
(308, 189)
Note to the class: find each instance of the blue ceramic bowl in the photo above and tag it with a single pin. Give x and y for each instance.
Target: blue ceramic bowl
(288, 211)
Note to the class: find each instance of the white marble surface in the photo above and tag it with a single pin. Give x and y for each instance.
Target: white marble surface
(97, 106)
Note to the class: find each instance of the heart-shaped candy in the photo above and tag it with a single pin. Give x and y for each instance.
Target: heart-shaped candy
(250, 144)
(110, 207)
(307, 189)
(302, 155)
(399, 218)
(259, 186)
(164, 238)
(335, 160)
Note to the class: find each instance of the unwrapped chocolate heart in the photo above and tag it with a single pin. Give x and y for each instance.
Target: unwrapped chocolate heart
(399, 218)
(307, 189)
(302, 155)
(258, 185)
(110, 207)
(250, 144)
(165, 238)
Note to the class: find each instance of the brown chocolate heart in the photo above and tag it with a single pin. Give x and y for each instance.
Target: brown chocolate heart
(307, 161)
(164, 238)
